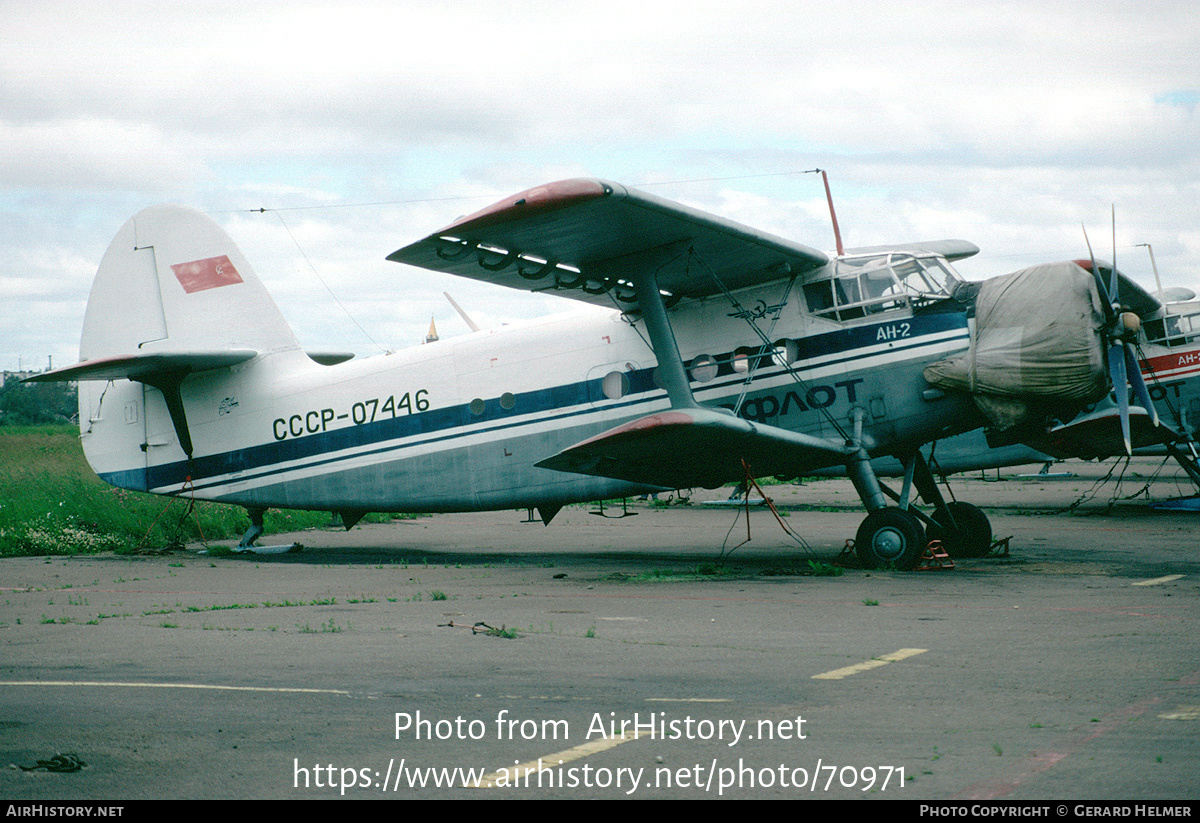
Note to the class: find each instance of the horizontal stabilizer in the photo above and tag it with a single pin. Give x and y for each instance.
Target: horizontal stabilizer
(145, 367)
(687, 448)
(164, 371)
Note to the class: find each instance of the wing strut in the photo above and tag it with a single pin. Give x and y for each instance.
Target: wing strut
(662, 340)
(688, 445)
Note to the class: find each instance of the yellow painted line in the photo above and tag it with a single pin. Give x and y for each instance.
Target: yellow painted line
(1182, 713)
(1157, 580)
(882, 660)
(90, 684)
(520, 771)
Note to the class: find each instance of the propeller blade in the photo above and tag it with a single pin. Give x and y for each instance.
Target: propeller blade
(1116, 371)
(1110, 314)
(1139, 385)
(1113, 287)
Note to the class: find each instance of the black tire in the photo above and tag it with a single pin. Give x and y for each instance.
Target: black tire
(890, 538)
(972, 535)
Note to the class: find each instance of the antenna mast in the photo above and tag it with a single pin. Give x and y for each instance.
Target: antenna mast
(837, 233)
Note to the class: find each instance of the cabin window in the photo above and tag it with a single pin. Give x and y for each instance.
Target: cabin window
(870, 284)
(786, 352)
(615, 385)
(935, 276)
(819, 296)
(507, 400)
(703, 368)
(741, 361)
(477, 406)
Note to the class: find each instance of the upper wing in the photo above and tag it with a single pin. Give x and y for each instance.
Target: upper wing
(950, 249)
(1132, 296)
(583, 237)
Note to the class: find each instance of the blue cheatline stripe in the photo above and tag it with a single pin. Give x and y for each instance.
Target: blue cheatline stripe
(256, 462)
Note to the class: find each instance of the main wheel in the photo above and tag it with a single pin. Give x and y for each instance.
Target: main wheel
(891, 538)
(972, 534)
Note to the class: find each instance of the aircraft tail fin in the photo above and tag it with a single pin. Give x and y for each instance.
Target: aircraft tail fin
(172, 281)
(173, 296)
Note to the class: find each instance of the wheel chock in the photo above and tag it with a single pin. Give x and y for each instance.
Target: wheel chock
(1000, 547)
(934, 558)
(847, 556)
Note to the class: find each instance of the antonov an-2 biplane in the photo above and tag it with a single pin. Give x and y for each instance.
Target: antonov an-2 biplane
(728, 351)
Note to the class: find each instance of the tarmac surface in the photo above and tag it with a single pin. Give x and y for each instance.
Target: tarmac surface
(363, 665)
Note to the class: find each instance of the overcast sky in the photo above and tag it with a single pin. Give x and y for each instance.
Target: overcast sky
(364, 126)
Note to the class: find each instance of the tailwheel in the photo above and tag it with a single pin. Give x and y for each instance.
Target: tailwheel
(890, 538)
(971, 535)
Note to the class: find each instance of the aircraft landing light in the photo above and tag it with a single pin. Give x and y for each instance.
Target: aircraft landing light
(882, 660)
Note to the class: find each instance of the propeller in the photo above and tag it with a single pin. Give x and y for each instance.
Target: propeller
(1120, 335)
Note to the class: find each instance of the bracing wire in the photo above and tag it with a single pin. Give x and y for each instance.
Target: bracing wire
(317, 274)
(767, 344)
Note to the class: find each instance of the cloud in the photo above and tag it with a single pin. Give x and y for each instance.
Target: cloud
(1007, 125)
(95, 155)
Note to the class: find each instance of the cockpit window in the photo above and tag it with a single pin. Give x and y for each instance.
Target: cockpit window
(1174, 329)
(870, 284)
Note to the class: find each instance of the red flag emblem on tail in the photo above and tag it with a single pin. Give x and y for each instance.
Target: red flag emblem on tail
(206, 274)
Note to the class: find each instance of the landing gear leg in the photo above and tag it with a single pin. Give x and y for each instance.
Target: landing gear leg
(1188, 462)
(963, 529)
(889, 537)
(255, 530)
(896, 536)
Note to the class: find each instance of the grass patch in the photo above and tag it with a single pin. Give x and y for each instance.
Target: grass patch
(810, 568)
(818, 568)
(53, 504)
(388, 517)
(503, 631)
(703, 571)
